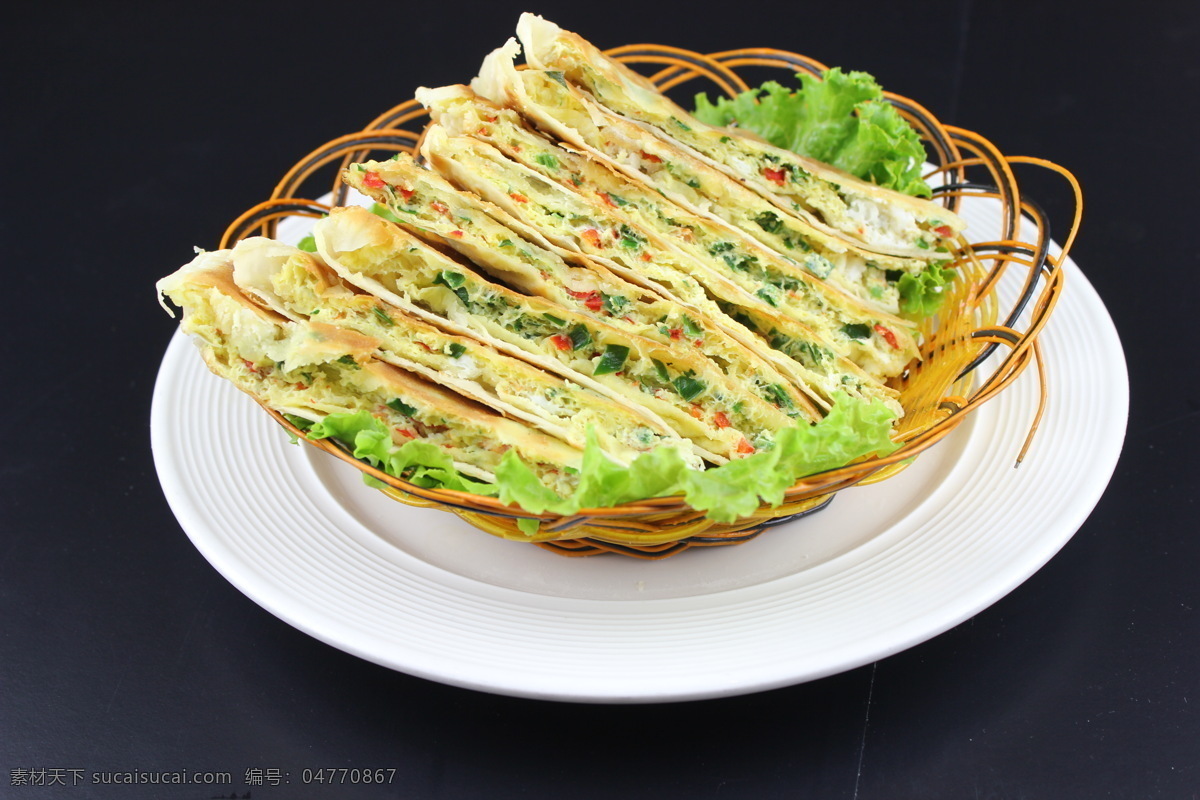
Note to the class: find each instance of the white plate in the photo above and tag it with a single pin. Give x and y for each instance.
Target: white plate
(881, 569)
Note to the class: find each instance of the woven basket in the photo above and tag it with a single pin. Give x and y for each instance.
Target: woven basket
(937, 392)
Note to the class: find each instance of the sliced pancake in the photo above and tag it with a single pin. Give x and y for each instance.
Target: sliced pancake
(689, 182)
(670, 387)
(311, 370)
(862, 333)
(880, 219)
(429, 206)
(600, 224)
(304, 288)
(695, 183)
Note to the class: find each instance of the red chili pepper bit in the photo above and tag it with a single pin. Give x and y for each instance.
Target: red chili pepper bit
(406, 432)
(645, 256)
(653, 159)
(407, 194)
(456, 234)
(676, 333)
(591, 299)
(943, 231)
(440, 208)
(888, 336)
(250, 365)
(696, 411)
(372, 180)
(745, 447)
(560, 341)
(520, 198)
(591, 236)
(489, 119)
(776, 176)
(607, 200)
(484, 130)
(721, 419)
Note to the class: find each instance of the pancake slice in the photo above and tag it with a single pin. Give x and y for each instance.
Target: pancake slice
(311, 371)
(670, 387)
(862, 333)
(883, 220)
(305, 289)
(428, 206)
(688, 181)
(601, 224)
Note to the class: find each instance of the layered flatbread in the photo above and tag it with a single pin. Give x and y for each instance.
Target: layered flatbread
(887, 222)
(520, 255)
(570, 263)
(668, 386)
(311, 370)
(303, 288)
(680, 175)
(597, 225)
(879, 341)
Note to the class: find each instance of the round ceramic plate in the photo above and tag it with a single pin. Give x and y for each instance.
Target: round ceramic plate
(883, 568)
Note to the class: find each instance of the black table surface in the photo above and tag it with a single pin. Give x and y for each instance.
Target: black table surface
(132, 134)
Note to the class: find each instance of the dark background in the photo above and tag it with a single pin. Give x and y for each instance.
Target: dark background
(131, 134)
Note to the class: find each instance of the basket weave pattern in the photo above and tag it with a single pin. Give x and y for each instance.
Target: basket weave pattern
(937, 391)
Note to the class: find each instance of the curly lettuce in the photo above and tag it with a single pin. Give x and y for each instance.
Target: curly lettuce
(853, 429)
(415, 461)
(841, 119)
(922, 293)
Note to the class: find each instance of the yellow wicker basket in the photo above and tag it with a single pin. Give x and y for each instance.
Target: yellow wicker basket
(937, 391)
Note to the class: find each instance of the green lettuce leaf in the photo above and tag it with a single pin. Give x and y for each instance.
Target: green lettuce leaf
(851, 430)
(921, 294)
(842, 119)
(418, 462)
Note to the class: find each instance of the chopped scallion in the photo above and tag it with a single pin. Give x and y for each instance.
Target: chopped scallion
(401, 407)
(612, 360)
(580, 337)
(689, 388)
